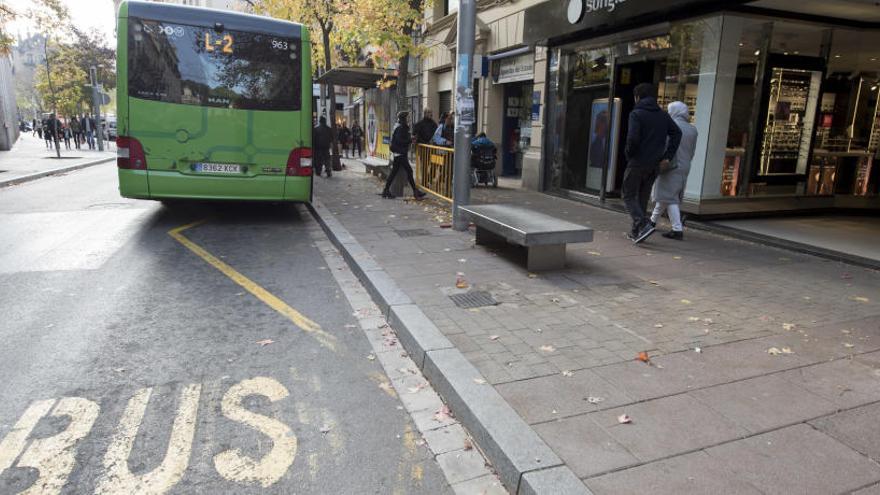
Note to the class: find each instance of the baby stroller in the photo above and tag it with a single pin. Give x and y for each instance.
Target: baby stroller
(483, 160)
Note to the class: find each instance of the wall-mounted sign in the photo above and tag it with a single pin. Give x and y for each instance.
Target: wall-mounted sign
(513, 69)
(372, 129)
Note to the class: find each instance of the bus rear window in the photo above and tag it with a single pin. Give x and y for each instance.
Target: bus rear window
(193, 65)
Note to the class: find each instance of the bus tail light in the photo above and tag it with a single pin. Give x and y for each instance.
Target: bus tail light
(130, 154)
(299, 162)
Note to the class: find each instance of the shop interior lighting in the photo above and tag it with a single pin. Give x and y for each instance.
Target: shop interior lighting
(757, 53)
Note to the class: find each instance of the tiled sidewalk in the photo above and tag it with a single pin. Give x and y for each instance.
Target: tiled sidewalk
(29, 155)
(561, 346)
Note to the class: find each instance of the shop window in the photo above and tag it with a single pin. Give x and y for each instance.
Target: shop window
(682, 67)
(848, 130)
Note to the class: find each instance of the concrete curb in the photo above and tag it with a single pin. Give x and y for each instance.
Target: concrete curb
(54, 171)
(525, 464)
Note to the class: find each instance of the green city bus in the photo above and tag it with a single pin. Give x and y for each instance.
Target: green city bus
(212, 105)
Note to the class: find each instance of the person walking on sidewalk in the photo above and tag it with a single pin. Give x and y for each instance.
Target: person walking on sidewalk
(344, 138)
(424, 129)
(322, 138)
(652, 139)
(357, 136)
(669, 186)
(400, 143)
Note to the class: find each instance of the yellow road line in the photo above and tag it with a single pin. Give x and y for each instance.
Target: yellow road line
(249, 285)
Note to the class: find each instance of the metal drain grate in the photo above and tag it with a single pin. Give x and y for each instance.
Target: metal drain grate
(473, 299)
(412, 232)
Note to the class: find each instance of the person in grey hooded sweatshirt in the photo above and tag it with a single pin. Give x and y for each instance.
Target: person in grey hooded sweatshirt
(669, 186)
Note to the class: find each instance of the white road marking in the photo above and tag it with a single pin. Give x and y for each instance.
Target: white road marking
(118, 479)
(54, 457)
(16, 439)
(233, 464)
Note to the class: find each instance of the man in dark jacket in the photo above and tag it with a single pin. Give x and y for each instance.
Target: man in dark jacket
(322, 137)
(652, 138)
(400, 142)
(424, 129)
(357, 136)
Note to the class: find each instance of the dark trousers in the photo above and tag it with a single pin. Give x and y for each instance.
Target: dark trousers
(356, 145)
(401, 162)
(637, 184)
(321, 161)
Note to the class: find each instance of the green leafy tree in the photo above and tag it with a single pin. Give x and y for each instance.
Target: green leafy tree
(63, 85)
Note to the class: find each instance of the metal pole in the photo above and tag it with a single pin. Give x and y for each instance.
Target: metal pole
(464, 112)
(96, 107)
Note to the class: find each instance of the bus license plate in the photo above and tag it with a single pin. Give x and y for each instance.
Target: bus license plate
(218, 168)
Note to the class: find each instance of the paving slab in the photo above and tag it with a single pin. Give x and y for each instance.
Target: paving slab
(797, 459)
(666, 375)
(844, 382)
(857, 428)
(764, 403)
(870, 490)
(695, 473)
(551, 397)
(585, 446)
(668, 426)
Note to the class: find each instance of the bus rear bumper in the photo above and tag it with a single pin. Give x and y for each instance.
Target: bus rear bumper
(153, 184)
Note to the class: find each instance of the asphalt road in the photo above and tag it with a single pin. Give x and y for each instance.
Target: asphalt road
(221, 358)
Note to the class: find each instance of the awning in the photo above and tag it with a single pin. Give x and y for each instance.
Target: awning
(356, 77)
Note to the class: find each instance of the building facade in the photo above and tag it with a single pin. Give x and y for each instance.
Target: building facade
(783, 93)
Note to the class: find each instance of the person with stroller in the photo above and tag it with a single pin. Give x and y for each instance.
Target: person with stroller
(484, 155)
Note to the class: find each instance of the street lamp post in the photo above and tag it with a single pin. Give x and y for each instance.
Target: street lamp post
(96, 105)
(464, 113)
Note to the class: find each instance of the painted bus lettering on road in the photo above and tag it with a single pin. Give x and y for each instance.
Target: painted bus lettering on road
(54, 457)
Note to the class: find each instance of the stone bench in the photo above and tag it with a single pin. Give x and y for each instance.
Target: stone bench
(543, 236)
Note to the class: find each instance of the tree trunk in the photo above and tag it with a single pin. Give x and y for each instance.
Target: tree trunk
(331, 114)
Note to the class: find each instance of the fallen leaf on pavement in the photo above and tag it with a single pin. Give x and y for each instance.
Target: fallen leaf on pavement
(462, 260)
(468, 445)
(265, 342)
(548, 348)
(788, 326)
(494, 337)
(698, 350)
(845, 331)
(694, 318)
(371, 357)
(533, 275)
(653, 282)
(861, 299)
(350, 326)
(416, 389)
(567, 373)
(594, 253)
(594, 400)
(787, 350)
(708, 321)
(479, 381)
(848, 345)
(845, 276)
(658, 325)
(685, 301)
(676, 257)
(460, 282)
(775, 351)
(442, 414)
(624, 419)
(643, 357)
(325, 429)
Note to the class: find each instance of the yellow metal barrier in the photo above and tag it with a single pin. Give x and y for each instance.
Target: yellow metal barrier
(434, 166)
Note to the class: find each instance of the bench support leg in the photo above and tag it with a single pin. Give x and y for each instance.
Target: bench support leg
(488, 238)
(550, 257)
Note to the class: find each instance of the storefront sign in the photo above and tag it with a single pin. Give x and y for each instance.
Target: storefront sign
(513, 69)
(558, 18)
